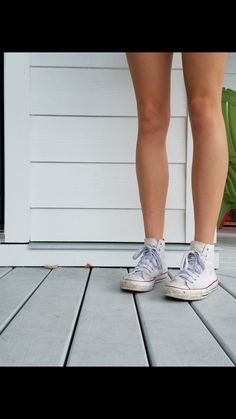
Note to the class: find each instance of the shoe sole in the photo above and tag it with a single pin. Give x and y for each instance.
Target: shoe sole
(190, 295)
(141, 286)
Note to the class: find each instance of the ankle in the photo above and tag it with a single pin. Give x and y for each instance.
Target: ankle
(210, 242)
(155, 238)
(201, 246)
(155, 242)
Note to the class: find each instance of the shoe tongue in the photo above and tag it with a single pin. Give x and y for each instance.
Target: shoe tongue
(199, 246)
(153, 242)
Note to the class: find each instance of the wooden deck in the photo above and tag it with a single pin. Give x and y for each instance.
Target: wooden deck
(76, 316)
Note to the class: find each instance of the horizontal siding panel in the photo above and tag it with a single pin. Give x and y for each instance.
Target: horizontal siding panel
(87, 59)
(91, 139)
(96, 185)
(100, 92)
(100, 225)
(79, 59)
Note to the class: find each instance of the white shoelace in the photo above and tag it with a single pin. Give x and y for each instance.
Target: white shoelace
(151, 258)
(192, 265)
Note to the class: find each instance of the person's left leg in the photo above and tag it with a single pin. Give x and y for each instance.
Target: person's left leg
(203, 74)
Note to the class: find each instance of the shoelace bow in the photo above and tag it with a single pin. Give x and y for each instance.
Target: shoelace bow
(151, 257)
(192, 265)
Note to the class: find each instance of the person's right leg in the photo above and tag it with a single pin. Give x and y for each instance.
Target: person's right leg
(151, 79)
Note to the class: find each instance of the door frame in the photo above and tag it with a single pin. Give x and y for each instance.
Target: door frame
(17, 153)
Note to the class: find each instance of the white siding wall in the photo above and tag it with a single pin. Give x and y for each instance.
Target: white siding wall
(70, 124)
(83, 183)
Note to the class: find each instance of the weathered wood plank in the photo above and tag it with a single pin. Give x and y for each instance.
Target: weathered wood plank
(41, 332)
(218, 312)
(15, 288)
(108, 332)
(228, 282)
(174, 334)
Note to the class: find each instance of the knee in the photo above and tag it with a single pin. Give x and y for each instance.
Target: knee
(203, 111)
(153, 119)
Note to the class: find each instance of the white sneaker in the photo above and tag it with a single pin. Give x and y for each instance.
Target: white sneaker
(150, 269)
(197, 277)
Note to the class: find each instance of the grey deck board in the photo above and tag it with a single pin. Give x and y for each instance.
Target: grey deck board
(228, 264)
(41, 331)
(228, 283)
(175, 335)
(228, 270)
(226, 239)
(15, 288)
(218, 312)
(108, 332)
(4, 270)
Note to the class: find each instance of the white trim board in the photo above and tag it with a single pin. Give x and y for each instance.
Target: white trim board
(17, 152)
(119, 254)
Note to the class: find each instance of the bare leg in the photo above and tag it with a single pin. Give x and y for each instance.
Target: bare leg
(204, 74)
(151, 79)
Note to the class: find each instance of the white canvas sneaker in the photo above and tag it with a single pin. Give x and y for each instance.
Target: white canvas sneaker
(196, 278)
(150, 269)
